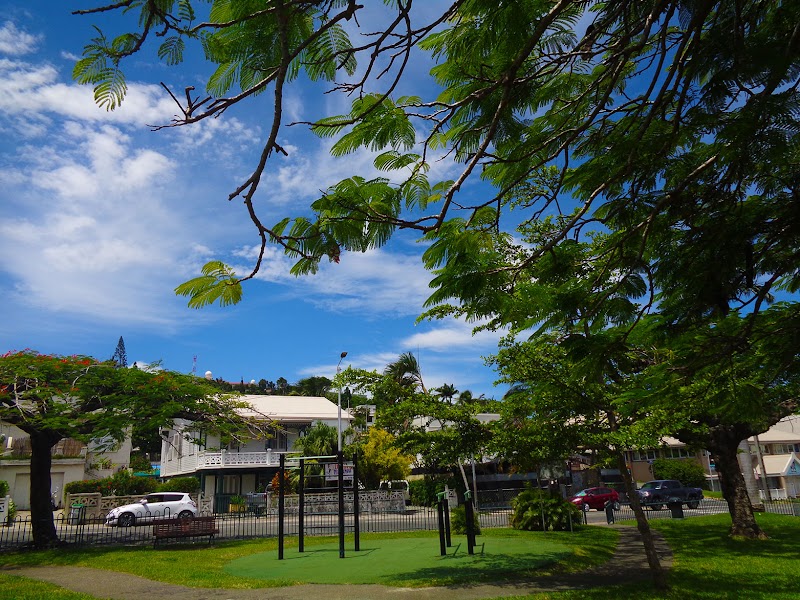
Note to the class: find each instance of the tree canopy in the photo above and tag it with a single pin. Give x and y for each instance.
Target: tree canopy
(641, 156)
(56, 397)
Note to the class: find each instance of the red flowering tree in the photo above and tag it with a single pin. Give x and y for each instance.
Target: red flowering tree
(56, 397)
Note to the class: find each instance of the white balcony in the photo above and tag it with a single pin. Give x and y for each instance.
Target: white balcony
(241, 460)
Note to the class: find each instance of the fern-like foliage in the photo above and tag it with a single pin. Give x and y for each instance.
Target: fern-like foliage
(218, 283)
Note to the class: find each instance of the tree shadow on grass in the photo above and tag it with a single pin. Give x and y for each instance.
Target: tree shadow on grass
(461, 569)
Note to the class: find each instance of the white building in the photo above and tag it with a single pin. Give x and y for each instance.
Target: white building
(241, 468)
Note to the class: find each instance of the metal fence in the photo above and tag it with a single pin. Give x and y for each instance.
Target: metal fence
(93, 531)
(707, 506)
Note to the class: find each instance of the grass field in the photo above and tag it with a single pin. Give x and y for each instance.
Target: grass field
(409, 562)
(708, 564)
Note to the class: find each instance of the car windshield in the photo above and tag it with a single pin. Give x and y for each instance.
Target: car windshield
(650, 485)
(581, 493)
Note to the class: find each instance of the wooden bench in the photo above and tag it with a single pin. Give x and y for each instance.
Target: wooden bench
(184, 528)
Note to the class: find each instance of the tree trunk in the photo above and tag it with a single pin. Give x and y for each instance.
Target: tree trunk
(643, 525)
(43, 528)
(734, 489)
(746, 467)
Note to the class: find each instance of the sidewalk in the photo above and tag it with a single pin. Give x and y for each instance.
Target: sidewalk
(628, 564)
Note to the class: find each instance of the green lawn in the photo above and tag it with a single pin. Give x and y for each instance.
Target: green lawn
(229, 564)
(409, 561)
(711, 566)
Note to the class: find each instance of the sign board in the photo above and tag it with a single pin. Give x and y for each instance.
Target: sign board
(4, 508)
(332, 472)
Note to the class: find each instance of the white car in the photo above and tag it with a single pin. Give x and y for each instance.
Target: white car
(153, 507)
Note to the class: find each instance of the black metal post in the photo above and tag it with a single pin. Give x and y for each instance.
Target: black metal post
(281, 498)
(301, 508)
(469, 515)
(440, 520)
(356, 512)
(340, 459)
(446, 509)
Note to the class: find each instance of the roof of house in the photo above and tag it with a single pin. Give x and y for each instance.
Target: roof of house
(294, 408)
(773, 435)
(780, 464)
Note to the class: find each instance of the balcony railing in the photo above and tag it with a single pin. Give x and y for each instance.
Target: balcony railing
(224, 458)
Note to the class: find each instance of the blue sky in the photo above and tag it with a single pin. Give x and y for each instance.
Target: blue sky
(100, 219)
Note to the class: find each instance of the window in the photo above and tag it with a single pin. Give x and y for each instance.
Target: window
(677, 453)
(645, 455)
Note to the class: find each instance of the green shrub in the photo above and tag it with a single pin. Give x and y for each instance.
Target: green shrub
(688, 472)
(4, 487)
(538, 510)
(190, 485)
(11, 512)
(458, 521)
(119, 484)
(140, 464)
(423, 491)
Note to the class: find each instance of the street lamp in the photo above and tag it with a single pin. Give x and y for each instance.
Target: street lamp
(339, 428)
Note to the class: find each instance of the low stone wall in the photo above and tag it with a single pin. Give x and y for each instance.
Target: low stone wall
(377, 501)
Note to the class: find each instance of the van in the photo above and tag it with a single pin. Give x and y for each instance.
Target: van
(398, 485)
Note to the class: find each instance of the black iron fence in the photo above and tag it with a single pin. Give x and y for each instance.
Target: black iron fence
(74, 529)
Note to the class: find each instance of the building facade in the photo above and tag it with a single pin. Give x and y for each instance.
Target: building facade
(239, 468)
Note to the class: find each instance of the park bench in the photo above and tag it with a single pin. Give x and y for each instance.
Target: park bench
(184, 528)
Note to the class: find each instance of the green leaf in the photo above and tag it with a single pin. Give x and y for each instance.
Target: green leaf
(217, 284)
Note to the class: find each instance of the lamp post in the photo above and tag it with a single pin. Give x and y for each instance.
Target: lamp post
(339, 422)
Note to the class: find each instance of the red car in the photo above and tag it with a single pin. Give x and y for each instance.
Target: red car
(595, 497)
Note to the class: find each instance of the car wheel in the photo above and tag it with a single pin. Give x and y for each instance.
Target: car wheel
(126, 520)
(656, 507)
(693, 504)
(585, 507)
(616, 506)
(186, 514)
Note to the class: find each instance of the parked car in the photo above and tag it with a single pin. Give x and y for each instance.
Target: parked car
(153, 507)
(655, 494)
(596, 498)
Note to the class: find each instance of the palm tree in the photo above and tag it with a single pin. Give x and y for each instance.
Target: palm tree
(405, 371)
(447, 392)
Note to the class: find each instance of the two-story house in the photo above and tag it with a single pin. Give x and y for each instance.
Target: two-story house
(244, 467)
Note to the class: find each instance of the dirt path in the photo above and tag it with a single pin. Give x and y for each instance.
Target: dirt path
(628, 564)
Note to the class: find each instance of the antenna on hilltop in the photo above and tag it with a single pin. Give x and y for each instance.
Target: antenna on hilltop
(194, 365)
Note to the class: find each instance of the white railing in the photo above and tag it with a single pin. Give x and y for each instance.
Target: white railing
(225, 458)
(775, 494)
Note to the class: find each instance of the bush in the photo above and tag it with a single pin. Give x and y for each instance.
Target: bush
(140, 464)
(11, 512)
(688, 472)
(119, 484)
(458, 520)
(423, 491)
(289, 483)
(190, 485)
(538, 510)
(4, 487)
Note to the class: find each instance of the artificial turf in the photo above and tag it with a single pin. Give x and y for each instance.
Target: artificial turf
(404, 561)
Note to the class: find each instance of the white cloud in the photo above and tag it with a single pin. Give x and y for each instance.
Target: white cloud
(16, 42)
(453, 337)
(376, 282)
(91, 231)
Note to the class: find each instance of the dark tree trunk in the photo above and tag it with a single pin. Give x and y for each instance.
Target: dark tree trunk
(643, 525)
(44, 530)
(722, 441)
(734, 490)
